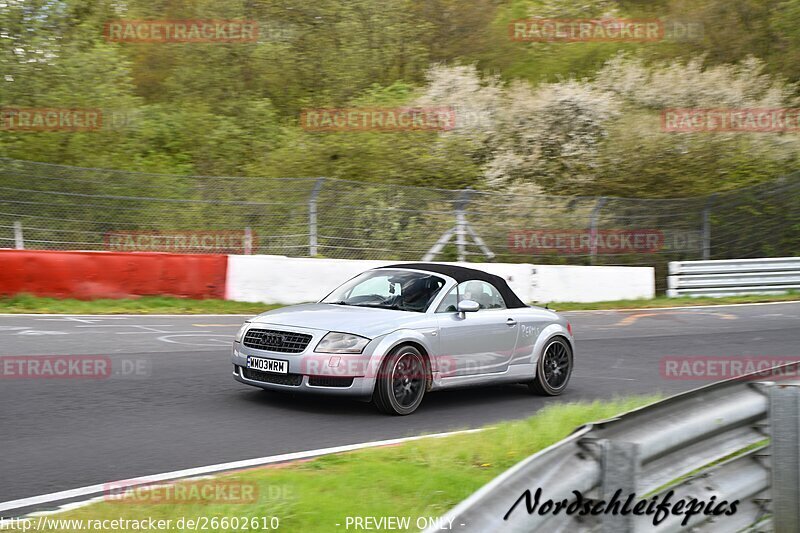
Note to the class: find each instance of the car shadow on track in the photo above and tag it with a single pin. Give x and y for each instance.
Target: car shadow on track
(438, 401)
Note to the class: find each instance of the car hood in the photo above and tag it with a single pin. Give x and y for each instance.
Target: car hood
(365, 321)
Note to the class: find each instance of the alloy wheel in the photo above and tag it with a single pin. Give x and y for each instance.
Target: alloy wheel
(556, 365)
(408, 379)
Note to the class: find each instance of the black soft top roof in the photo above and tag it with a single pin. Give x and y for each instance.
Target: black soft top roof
(461, 274)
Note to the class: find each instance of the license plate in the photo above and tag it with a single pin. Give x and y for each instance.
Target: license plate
(268, 365)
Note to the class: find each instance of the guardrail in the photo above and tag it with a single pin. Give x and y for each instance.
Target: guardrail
(711, 444)
(735, 276)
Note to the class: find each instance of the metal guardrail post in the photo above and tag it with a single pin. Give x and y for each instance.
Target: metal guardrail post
(19, 242)
(784, 419)
(593, 227)
(707, 227)
(620, 462)
(248, 241)
(312, 217)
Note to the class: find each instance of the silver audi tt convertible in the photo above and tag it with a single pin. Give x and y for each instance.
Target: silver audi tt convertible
(395, 333)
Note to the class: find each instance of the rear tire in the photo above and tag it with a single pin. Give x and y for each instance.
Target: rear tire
(553, 369)
(401, 382)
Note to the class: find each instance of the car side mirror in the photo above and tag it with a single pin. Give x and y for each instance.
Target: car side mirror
(467, 306)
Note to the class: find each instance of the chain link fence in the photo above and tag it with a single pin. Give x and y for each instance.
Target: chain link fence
(55, 207)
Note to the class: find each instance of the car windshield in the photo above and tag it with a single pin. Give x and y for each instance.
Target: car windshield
(388, 289)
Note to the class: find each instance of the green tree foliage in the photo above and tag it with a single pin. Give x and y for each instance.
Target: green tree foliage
(547, 116)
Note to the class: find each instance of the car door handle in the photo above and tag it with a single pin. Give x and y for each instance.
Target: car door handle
(511, 322)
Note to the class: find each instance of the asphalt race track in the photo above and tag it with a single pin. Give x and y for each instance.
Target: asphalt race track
(171, 402)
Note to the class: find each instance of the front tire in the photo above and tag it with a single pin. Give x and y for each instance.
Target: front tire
(553, 369)
(401, 382)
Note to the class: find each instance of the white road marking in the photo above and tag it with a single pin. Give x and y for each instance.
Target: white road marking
(203, 470)
(38, 332)
(191, 331)
(22, 330)
(214, 342)
(80, 319)
(127, 326)
(144, 328)
(85, 503)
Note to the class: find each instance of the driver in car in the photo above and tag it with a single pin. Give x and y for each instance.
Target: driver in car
(418, 292)
(473, 290)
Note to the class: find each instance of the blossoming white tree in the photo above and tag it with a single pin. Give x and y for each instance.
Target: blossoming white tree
(576, 136)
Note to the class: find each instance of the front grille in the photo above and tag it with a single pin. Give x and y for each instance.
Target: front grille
(276, 341)
(329, 381)
(293, 380)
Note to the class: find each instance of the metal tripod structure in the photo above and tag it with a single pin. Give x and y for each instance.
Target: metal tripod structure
(461, 231)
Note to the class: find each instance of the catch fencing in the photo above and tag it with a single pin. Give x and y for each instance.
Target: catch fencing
(733, 440)
(57, 207)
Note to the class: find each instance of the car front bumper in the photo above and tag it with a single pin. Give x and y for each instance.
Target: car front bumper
(359, 387)
(310, 372)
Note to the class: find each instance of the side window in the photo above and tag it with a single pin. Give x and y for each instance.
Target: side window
(483, 293)
(450, 302)
(479, 291)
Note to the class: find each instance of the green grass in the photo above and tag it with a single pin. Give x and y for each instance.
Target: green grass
(418, 479)
(169, 305)
(146, 305)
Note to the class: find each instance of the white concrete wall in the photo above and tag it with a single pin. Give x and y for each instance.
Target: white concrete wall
(569, 283)
(290, 280)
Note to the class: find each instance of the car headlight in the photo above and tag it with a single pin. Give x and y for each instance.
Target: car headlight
(335, 342)
(240, 333)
